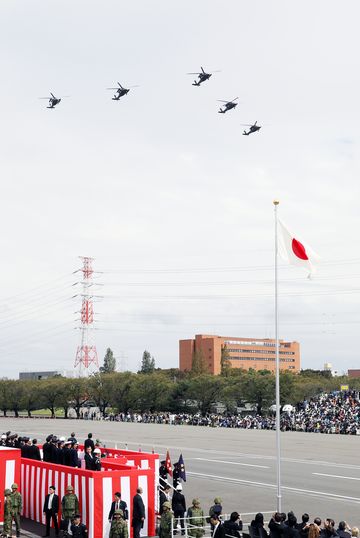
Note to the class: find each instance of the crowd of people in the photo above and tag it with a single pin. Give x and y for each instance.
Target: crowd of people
(194, 521)
(58, 450)
(332, 413)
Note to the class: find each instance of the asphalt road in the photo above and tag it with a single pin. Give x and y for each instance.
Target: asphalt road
(320, 473)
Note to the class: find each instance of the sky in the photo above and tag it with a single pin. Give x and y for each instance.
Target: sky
(171, 201)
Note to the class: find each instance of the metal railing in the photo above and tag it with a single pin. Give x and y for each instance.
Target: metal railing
(187, 528)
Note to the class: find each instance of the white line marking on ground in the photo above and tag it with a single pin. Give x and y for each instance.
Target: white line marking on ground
(273, 486)
(232, 463)
(238, 454)
(337, 476)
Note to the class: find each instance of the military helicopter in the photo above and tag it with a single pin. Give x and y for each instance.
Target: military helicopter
(120, 91)
(53, 101)
(202, 76)
(228, 105)
(253, 128)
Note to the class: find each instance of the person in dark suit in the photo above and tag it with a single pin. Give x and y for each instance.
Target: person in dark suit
(138, 514)
(164, 495)
(25, 452)
(89, 442)
(290, 530)
(34, 451)
(53, 451)
(219, 530)
(89, 459)
(276, 526)
(303, 527)
(74, 458)
(66, 456)
(343, 530)
(257, 526)
(51, 508)
(233, 526)
(46, 448)
(118, 504)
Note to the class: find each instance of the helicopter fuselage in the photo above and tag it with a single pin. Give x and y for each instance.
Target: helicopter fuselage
(53, 102)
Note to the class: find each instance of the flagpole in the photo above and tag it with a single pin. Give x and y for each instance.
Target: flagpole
(277, 369)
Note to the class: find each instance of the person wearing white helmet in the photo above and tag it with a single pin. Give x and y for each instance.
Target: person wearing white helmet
(97, 459)
(179, 508)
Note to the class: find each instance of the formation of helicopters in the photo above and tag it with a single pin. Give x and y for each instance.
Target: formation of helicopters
(202, 76)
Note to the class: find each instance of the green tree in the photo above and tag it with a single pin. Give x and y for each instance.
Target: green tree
(206, 390)
(15, 394)
(147, 363)
(109, 362)
(5, 390)
(179, 398)
(100, 389)
(78, 393)
(151, 392)
(55, 394)
(123, 397)
(30, 398)
(258, 389)
(198, 366)
(225, 361)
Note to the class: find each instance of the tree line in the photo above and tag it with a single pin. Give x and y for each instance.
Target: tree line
(154, 390)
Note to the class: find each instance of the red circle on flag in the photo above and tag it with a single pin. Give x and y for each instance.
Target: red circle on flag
(299, 249)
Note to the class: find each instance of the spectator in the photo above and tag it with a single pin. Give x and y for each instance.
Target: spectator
(233, 526)
(343, 530)
(89, 442)
(314, 531)
(276, 526)
(290, 530)
(303, 527)
(329, 529)
(257, 527)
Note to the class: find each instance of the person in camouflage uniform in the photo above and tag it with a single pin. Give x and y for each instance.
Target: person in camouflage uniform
(15, 507)
(7, 514)
(119, 528)
(70, 507)
(196, 519)
(166, 520)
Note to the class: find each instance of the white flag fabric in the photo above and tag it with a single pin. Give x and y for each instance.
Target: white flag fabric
(296, 252)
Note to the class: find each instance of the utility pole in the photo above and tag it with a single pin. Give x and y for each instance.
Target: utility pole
(86, 355)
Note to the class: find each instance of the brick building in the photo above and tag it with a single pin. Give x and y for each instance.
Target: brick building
(245, 353)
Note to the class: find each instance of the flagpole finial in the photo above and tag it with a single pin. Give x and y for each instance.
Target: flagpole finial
(276, 202)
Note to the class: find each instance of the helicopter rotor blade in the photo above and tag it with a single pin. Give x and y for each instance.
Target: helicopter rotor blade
(223, 101)
(44, 98)
(194, 73)
(234, 99)
(136, 86)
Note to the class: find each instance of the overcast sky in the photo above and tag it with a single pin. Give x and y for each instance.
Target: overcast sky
(174, 204)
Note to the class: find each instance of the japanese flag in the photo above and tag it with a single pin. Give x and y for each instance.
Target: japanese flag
(295, 252)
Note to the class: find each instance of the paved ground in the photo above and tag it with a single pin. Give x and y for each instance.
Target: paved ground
(320, 473)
